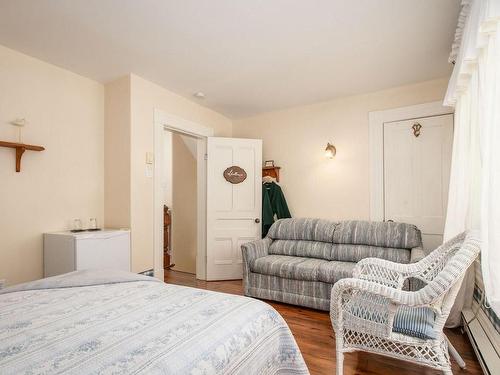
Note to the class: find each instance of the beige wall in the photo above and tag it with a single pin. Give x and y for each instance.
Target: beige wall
(296, 138)
(65, 115)
(145, 97)
(117, 154)
(184, 223)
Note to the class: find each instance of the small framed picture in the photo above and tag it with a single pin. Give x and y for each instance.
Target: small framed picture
(269, 163)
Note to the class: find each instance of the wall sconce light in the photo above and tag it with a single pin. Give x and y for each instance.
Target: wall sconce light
(330, 151)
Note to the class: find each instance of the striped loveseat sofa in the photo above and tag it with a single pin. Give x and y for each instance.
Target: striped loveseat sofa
(300, 259)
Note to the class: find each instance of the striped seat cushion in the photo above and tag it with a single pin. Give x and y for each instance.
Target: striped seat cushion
(331, 272)
(295, 268)
(299, 248)
(415, 321)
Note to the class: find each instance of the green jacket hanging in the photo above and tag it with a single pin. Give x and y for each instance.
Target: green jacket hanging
(273, 203)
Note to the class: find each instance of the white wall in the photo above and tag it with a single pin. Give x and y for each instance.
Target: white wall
(65, 113)
(296, 138)
(144, 98)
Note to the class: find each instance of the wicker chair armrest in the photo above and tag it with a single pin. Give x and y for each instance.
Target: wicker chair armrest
(393, 296)
(356, 305)
(385, 272)
(367, 306)
(396, 296)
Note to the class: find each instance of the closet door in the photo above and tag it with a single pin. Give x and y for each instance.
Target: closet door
(234, 203)
(417, 159)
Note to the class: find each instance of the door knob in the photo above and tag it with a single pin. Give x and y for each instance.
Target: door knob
(257, 220)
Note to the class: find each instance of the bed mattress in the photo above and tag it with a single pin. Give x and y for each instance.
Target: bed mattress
(109, 322)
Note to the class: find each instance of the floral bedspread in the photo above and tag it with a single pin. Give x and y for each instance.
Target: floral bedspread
(139, 326)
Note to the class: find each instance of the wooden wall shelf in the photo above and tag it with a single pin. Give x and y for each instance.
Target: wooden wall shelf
(273, 172)
(20, 148)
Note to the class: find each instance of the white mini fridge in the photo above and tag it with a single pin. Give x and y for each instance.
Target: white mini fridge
(65, 251)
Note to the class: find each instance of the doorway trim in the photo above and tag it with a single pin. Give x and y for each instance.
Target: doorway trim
(164, 121)
(376, 121)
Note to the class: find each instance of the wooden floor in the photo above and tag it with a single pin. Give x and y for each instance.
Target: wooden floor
(314, 335)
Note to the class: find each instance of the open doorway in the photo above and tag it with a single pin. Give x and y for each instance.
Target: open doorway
(222, 223)
(165, 125)
(180, 189)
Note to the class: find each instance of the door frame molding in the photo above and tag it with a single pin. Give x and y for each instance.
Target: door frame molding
(165, 121)
(376, 121)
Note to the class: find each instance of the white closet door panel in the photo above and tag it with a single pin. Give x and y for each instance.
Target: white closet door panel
(417, 172)
(399, 192)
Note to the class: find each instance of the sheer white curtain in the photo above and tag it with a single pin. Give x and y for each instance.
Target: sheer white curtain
(474, 195)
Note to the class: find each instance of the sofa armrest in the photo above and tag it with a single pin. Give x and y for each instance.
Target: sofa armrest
(251, 251)
(255, 249)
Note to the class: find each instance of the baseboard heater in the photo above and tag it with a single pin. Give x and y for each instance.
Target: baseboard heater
(484, 338)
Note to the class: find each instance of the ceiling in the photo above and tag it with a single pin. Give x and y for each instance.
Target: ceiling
(247, 56)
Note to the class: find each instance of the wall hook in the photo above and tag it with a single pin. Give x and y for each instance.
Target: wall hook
(416, 129)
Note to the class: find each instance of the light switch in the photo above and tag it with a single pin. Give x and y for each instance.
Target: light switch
(150, 158)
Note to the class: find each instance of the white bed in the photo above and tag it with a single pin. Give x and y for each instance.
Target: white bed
(108, 322)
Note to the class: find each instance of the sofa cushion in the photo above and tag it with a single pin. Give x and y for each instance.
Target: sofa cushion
(303, 229)
(331, 272)
(288, 267)
(382, 234)
(354, 253)
(300, 248)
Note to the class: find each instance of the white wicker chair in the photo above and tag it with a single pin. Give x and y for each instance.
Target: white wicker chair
(365, 308)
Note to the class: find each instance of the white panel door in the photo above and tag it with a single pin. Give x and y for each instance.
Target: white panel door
(417, 173)
(233, 210)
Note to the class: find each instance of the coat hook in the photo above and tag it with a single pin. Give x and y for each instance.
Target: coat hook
(416, 129)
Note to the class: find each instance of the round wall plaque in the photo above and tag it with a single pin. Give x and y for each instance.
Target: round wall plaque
(235, 174)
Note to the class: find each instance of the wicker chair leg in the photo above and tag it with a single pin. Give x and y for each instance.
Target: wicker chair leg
(443, 356)
(455, 354)
(339, 353)
(340, 363)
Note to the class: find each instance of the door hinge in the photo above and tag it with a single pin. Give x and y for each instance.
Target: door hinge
(206, 156)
